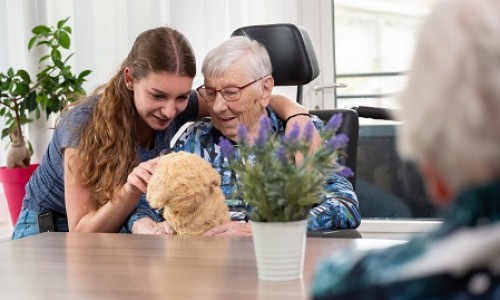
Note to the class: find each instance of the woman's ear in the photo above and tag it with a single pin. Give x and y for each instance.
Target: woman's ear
(437, 188)
(267, 87)
(127, 75)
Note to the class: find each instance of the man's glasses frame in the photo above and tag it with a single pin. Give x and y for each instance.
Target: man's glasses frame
(230, 93)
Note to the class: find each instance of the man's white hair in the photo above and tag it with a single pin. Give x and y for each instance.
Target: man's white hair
(451, 104)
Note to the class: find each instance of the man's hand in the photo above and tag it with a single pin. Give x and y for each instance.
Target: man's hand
(149, 226)
(233, 228)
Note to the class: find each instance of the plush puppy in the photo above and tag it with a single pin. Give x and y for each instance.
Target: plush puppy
(188, 189)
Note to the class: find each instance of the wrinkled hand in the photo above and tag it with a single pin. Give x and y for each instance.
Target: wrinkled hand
(137, 181)
(149, 226)
(302, 121)
(233, 228)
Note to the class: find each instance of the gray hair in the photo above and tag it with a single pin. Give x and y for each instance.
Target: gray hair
(219, 59)
(451, 104)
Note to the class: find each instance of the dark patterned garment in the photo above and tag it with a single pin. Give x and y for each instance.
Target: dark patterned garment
(459, 260)
(337, 210)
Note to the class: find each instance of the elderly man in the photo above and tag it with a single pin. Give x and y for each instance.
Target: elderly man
(237, 89)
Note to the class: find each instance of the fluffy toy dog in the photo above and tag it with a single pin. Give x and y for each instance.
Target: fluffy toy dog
(188, 188)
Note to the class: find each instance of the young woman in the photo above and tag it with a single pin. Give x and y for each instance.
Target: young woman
(100, 158)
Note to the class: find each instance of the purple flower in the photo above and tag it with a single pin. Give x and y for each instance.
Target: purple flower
(308, 132)
(346, 172)
(227, 149)
(334, 122)
(281, 155)
(293, 135)
(264, 129)
(336, 141)
(242, 132)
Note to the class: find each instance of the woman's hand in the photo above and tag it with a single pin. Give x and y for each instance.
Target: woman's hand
(149, 226)
(137, 181)
(233, 228)
(85, 215)
(303, 121)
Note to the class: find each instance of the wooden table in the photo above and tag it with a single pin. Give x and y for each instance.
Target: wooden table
(123, 266)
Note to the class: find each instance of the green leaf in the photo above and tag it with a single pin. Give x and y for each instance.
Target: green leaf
(31, 103)
(32, 42)
(43, 58)
(67, 29)
(67, 58)
(56, 55)
(24, 75)
(47, 43)
(21, 89)
(13, 88)
(40, 30)
(25, 119)
(42, 99)
(5, 132)
(10, 72)
(64, 40)
(83, 74)
(61, 23)
(9, 121)
(59, 64)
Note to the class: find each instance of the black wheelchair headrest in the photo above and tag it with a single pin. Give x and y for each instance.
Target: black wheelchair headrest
(290, 49)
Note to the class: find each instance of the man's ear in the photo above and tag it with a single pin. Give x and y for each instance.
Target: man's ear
(437, 188)
(267, 87)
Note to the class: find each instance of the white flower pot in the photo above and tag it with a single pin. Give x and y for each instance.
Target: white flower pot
(279, 249)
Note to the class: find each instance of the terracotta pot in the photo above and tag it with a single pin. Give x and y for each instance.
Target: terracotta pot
(14, 183)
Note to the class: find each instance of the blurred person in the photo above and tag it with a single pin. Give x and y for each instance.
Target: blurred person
(450, 109)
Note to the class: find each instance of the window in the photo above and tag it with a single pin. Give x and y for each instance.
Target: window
(373, 48)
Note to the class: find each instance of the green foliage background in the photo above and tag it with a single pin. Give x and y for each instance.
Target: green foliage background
(55, 84)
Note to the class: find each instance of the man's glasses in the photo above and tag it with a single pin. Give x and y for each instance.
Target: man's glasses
(229, 93)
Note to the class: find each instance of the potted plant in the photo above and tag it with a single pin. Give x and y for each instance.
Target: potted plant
(281, 191)
(23, 99)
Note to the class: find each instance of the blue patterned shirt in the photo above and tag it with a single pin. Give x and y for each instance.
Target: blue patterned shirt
(338, 209)
(459, 260)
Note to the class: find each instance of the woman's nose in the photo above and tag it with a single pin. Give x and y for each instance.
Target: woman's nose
(168, 109)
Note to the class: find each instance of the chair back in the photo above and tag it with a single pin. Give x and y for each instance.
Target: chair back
(290, 50)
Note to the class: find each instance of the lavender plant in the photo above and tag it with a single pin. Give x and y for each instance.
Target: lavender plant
(269, 179)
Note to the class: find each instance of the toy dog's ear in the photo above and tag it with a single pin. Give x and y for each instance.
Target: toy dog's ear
(152, 201)
(215, 181)
(156, 196)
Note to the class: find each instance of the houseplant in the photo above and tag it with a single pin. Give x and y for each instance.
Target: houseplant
(281, 191)
(24, 99)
